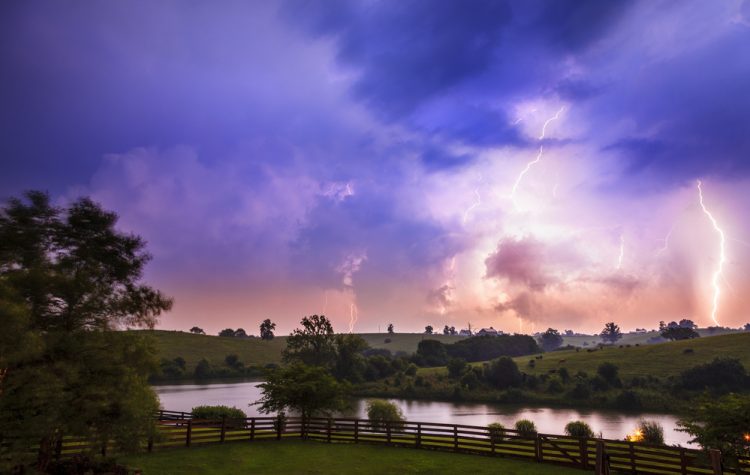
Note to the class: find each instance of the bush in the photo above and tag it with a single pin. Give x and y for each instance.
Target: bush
(608, 371)
(203, 369)
(628, 400)
(411, 370)
(580, 391)
(599, 384)
(555, 386)
(383, 413)
(526, 428)
(217, 412)
(470, 380)
(497, 432)
(456, 367)
(579, 429)
(722, 375)
(650, 432)
(432, 353)
(503, 373)
(564, 375)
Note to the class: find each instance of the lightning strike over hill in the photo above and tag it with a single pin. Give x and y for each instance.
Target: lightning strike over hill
(353, 316)
(722, 256)
(536, 160)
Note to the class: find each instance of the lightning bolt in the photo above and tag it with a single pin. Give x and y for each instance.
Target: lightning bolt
(622, 251)
(471, 208)
(722, 256)
(536, 160)
(353, 316)
(666, 242)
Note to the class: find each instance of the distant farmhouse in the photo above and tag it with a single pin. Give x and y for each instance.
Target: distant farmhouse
(489, 331)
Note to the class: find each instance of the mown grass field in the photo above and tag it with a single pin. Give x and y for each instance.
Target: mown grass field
(308, 457)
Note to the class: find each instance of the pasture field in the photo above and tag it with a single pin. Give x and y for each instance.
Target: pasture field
(311, 457)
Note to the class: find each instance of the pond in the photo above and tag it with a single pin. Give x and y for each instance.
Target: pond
(611, 424)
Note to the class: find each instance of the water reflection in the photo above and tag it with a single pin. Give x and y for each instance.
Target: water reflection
(612, 425)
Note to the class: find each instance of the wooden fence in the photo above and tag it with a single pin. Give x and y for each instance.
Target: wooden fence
(180, 429)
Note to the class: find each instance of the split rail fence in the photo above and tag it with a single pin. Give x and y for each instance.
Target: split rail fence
(181, 429)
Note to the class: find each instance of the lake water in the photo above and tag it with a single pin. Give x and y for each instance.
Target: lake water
(611, 424)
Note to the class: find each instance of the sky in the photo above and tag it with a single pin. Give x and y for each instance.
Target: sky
(515, 164)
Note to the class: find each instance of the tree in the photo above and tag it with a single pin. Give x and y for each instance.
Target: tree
(679, 333)
(227, 332)
(382, 414)
(720, 375)
(233, 361)
(453, 331)
(240, 333)
(456, 367)
(446, 330)
(608, 371)
(267, 328)
(551, 339)
(720, 424)
(503, 373)
(685, 323)
(313, 344)
(428, 330)
(390, 328)
(432, 353)
(197, 331)
(67, 278)
(747, 327)
(579, 429)
(350, 363)
(308, 390)
(611, 333)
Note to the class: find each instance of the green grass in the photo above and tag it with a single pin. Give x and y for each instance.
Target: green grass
(406, 342)
(662, 359)
(633, 338)
(308, 457)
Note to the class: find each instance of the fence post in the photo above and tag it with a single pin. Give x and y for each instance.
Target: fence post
(252, 429)
(278, 427)
(223, 428)
(583, 450)
(599, 466)
(189, 433)
(150, 444)
(631, 450)
(58, 447)
(455, 438)
(161, 414)
(388, 431)
(356, 431)
(716, 464)
(683, 462)
(492, 437)
(419, 435)
(328, 431)
(538, 448)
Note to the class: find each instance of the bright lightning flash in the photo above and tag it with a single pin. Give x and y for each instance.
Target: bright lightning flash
(722, 256)
(536, 160)
(353, 316)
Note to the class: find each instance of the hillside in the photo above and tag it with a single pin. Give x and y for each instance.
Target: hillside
(635, 338)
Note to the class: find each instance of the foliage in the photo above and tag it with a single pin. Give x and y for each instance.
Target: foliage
(579, 429)
(350, 363)
(503, 373)
(720, 424)
(390, 328)
(227, 332)
(314, 344)
(679, 333)
(456, 367)
(428, 330)
(551, 339)
(628, 400)
(380, 412)
(68, 277)
(307, 390)
(497, 432)
(484, 348)
(608, 371)
(526, 428)
(611, 333)
(267, 328)
(240, 333)
(720, 375)
(203, 369)
(197, 331)
(431, 353)
(218, 412)
(650, 432)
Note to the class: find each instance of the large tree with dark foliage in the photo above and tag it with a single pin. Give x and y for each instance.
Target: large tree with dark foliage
(679, 333)
(611, 333)
(314, 344)
(266, 329)
(431, 353)
(551, 339)
(483, 348)
(67, 278)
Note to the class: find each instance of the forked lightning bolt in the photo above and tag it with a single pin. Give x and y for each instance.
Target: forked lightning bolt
(722, 256)
(536, 160)
(353, 316)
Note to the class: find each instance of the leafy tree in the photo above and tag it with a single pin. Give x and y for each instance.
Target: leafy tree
(720, 375)
(227, 332)
(608, 371)
(579, 429)
(314, 344)
(503, 373)
(720, 424)
(197, 331)
(350, 363)
(308, 390)
(686, 323)
(650, 432)
(233, 361)
(611, 332)
(551, 339)
(383, 413)
(203, 369)
(484, 348)
(431, 353)
(67, 278)
(456, 367)
(679, 333)
(446, 330)
(747, 327)
(266, 329)
(453, 331)
(240, 333)
(390, 328)
(428, 330)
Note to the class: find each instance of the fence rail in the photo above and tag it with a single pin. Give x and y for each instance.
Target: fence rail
(181, 429)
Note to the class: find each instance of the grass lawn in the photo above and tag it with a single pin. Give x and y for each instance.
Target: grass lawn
(308, 457)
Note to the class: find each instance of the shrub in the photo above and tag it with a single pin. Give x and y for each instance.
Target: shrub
(599, 384)
(383, 413)
(503, 373)
(203, 369)
(456, 367)
(564, 375)
(608, 371)
(411, 370)
(497, 432)
(470, 380)
(579, 429)
(651, 432)
(722, 374)
(217, 412)
(628, 400)
(432, 353)
(580, 391)
(555, 386)
(526, 428)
